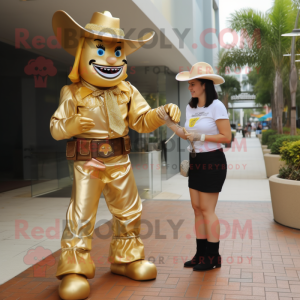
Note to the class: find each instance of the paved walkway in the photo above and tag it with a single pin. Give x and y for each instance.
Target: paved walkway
(261, 261)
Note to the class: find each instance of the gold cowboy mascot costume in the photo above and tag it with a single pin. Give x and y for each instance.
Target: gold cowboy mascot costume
(97, 110)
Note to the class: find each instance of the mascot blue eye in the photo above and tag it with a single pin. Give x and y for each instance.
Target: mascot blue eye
(118, 53)
(101, 52)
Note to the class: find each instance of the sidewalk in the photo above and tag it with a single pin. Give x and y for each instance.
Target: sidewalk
(263, 265)
(272, 272)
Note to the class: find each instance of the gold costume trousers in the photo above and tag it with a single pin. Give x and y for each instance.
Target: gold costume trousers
(121, 195)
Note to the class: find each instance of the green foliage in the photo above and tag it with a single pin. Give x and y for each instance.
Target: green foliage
(289, 172)
(152, 139)
(287, 130)
(275, 148)
(230, 87)
(266, 134)
(290, 153)
(262, 86)
(265, 54)
(272, 139)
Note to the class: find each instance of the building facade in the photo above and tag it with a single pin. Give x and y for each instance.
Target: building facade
(35, 68)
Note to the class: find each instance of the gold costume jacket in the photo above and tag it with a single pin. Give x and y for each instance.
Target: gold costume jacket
(78, 99)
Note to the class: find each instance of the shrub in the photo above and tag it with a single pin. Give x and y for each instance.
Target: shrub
(290, 153)
(266, 134)
(152, 139)
(275, 148)
(287, 130)
(272, 139)
(289, 172)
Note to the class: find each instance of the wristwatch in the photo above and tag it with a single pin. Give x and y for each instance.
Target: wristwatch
(202, 139)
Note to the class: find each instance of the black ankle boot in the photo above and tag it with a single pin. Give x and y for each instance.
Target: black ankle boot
(201, 251)
(211, 260)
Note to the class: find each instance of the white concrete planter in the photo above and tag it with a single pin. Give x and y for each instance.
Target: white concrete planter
(264, 146)
(265, 151)
(285, 201)
(273, 164)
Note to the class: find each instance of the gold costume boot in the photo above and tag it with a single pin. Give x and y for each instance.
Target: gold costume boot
(137, 270)
(74, 287)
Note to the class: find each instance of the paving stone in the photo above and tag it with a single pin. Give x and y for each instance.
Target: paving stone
(270, 268)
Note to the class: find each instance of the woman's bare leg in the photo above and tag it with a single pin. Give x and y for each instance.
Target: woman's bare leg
(207, 205)
(199, 219)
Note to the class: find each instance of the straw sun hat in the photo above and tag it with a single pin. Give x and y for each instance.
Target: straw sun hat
(200, 70)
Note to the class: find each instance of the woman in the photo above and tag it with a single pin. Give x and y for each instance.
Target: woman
(249, 129)
(208, 126)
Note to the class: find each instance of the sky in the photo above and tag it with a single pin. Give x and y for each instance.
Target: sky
(226, 7)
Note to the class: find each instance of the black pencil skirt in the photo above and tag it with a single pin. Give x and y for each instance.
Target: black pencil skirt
(208, 171)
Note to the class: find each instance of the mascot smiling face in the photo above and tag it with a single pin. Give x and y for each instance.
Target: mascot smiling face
(103, 63)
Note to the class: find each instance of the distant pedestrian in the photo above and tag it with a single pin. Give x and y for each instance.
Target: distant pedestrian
(259, 128)
(249, 129)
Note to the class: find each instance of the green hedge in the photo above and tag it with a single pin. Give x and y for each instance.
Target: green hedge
(275, 148)
(290, 153)
(152, 139)
(266, 134)
(272, 139)
(289, 172)
(287, 130)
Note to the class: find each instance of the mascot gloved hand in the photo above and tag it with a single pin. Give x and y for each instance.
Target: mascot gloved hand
(97, 111)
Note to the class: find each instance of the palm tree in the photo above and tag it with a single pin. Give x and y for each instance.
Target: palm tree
(266, 52)
(230, 87)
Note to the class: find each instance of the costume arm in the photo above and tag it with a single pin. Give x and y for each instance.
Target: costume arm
(142, 118)
(62, 117)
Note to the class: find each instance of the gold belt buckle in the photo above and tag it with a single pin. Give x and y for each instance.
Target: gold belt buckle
(105, 149)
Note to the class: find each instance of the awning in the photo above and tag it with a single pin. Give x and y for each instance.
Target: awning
(257, 116)
(265, 117)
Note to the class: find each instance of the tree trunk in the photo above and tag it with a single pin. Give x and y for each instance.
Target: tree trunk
(225, 100)
(274, 113)
(288, 122)
(279, 101)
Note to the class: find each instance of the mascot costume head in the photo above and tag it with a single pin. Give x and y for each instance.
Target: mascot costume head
(100, 54)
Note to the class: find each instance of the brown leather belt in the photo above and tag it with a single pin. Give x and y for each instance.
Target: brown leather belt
(86, 149)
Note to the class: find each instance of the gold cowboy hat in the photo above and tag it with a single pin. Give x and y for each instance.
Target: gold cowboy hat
(200, 70)
(102, 25)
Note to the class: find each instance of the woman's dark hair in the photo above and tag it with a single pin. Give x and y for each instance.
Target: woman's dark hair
(210, 92)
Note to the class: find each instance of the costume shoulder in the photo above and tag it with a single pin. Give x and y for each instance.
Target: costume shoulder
(68, 92)
(128, 86)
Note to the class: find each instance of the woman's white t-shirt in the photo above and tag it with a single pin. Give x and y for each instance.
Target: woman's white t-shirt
(203, 120)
